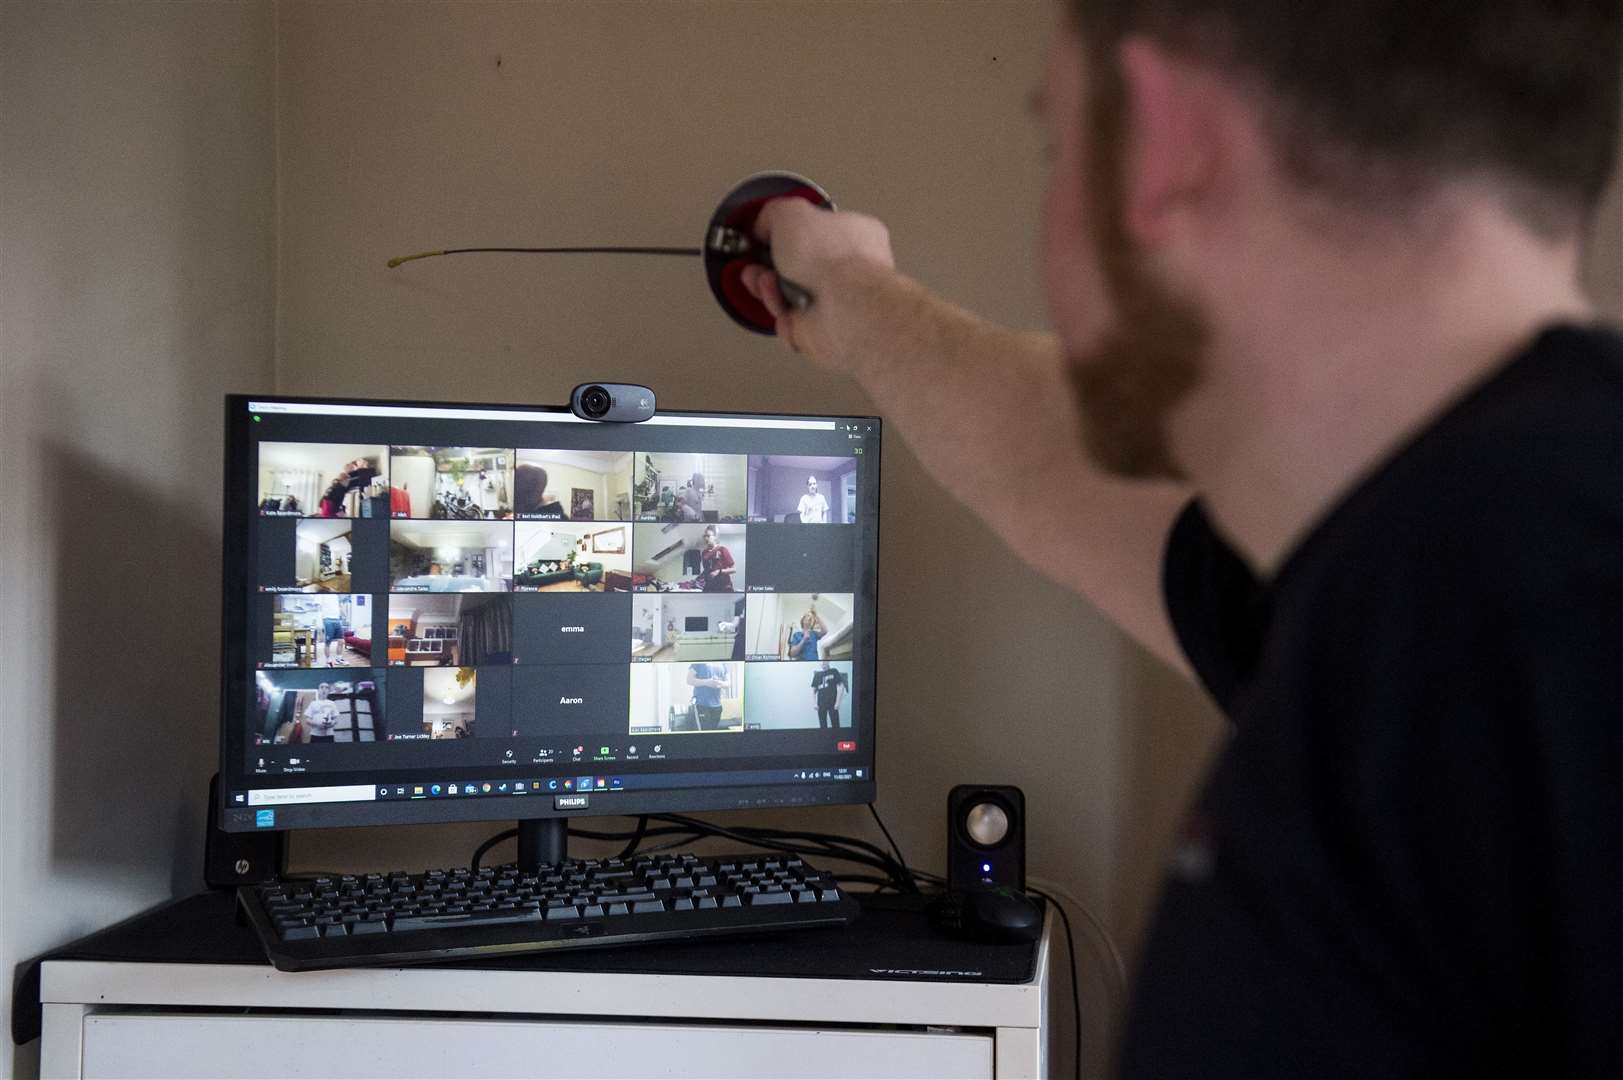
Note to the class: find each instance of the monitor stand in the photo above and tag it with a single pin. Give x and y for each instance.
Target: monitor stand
(542, 842)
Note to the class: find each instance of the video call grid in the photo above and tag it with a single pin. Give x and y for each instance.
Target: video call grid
(482, 464)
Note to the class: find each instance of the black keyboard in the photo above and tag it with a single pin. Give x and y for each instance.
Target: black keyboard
(400, 918)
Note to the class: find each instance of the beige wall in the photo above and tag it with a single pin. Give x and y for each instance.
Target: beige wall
(136, 258)
(412, 126)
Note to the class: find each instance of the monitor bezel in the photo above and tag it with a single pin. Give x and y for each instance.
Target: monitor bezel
(240, 485)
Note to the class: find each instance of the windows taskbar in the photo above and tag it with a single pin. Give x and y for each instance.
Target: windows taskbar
(556, 786)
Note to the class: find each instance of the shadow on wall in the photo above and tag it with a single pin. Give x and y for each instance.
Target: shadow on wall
(136, 662)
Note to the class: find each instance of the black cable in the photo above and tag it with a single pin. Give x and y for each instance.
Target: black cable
(593, 834)
(1076, 992)
(479, 852)
(866, 879)
(688, 252)
(842, 848)
(687, 835)
(672, 845)
(761, 839)
(636, 837)
(912, 885)
(829, 844)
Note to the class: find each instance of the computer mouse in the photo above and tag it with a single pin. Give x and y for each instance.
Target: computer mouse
(994, 914)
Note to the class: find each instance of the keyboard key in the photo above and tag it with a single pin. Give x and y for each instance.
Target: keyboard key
(648, 907)
(769, 898)
(561, 914)
(413, 923)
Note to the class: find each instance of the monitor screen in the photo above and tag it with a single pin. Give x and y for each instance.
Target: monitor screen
(450, 612)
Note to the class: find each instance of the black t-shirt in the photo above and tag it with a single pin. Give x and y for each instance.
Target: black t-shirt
(1408, 859)
(827, 684)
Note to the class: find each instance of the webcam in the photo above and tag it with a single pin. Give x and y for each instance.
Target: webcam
(612, 403)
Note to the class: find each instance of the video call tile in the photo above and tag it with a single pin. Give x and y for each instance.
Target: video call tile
(318, 555)
(571, 628)
(450, 702)
(564, 701)
(803, 558)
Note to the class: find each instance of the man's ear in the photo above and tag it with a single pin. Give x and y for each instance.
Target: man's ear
(1172, 135)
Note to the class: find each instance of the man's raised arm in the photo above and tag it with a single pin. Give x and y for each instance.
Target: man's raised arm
(988, 410)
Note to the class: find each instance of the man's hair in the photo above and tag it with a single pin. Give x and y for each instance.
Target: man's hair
(1387, 97)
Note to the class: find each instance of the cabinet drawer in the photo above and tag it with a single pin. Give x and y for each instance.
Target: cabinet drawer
(173, 1046)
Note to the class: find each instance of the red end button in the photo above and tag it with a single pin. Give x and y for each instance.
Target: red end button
(845, 746)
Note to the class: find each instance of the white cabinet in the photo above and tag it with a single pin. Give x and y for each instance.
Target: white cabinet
(131, 1020)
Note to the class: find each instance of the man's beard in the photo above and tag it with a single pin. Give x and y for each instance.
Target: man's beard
(1127, 385)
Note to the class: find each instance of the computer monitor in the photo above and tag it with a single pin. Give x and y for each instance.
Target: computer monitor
(442, 612)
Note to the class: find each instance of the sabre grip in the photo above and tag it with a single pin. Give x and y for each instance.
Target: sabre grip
(797, 297)
(793, 295)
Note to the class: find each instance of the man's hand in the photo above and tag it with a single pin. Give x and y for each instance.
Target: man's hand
(819, 250)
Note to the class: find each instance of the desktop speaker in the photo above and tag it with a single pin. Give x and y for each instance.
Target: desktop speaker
(986, 837)
(232, 859)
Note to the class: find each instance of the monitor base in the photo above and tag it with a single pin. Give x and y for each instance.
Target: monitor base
(542, 842)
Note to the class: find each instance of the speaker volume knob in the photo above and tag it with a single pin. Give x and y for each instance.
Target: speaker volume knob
(987, 824)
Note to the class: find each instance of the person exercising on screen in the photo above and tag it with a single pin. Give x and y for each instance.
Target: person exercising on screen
(708, 681)
(1337, 435)
(813, 508)
(716, 564)
(826, 685)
